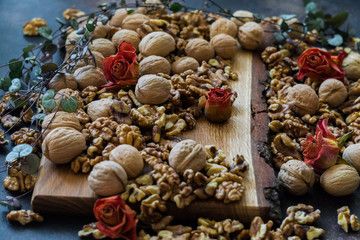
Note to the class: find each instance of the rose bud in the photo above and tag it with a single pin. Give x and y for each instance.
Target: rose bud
(320, 65)
(321, 151)
(218, 105)
(122, 69)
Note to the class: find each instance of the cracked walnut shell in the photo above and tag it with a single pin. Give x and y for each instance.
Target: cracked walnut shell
(223, 26)
(200, 49)
(304, 98)
(157, 43)
(332, 92)
(251, 36)
(183, 64)
(297, 177)
(152, 89)
(187, 154)
(129, 158)
(154, 64)
(225, 46)
(89, 76)
(107, 178)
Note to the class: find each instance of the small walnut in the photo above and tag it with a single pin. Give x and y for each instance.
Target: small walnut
(60, 119)
(154, 64)
(32, 28)
(183, 64)
(9, 121)
(107, 178)
(200, 49)
(72, 13)
(251, 36)
(134, 21)
(69, 46)
(225, 46)
(305, 99)
(99, 108)
(187, 154)
(89, 76)
(23, 216)
(28, 136)
(259, 229)
(125, 35)
(352, 155)
(352, 65)
(101, 31)
(103, 46)
(152, 89)
(129, 158)
(3, 140)
(296, 176)
(130, 135)
(91, 230)
(63, 80)
(340, 180)
(157, 43)
(332, 92)
(118, 17)
(223, 26)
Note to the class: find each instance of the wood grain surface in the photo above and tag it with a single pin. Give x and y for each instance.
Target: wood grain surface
(59, 190)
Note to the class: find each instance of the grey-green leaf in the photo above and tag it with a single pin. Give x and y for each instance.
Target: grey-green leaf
(11, 156)
(48, 67)
(31, 164)
(70, 104)
(339, 19)
(337, 40)
(311, 8)
(23, 149)
(45, 32)
(38, 116)
(15, 85)
(287, 17)
(6, 83)
(48, 100)
(175, 7)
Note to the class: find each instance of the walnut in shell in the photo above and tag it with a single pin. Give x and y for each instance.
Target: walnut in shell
(187, 154)
(61, 119)
(296, 177)
(98, 60)
(73, 36)
(118, 17)
(63, 80)
(340, 180)
(157, 43)
(89, 76)
(134, 21)
(241, 17)
(332, 92)
(99, 108)
(352, 155)
(129, 158)
(152, 89)
(103, 46)
(225, 46)
(107, 178)
(352, 65)
(101, 31)
(125, 35)
(251, 36)
(200, 49)
(223, 25)
(154, 64)
(304, 98)
(183, 64)
(63, 144)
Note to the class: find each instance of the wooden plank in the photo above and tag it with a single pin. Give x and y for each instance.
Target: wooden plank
(58, 190)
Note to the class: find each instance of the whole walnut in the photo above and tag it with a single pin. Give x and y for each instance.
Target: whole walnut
(157, 43)
(118, 17)
(152, 89)
(99, 108)
(125, 35)
(129, 158)
(183, 64)
(89, 76)
(225, 46)
(154, 64)
(340, 180)
(63, 144)
(200, 49)
(63, 80)
(241, 17)
(352, 65)
(98, 60)
(251, 36)
(187, 154)
(61, 119)
(134, 21)
(296, 177)
(304, 98)
(73, 36)
(101, 31)
(332, 92)
(107, 178)
(352, 155)
(103, 46)
(223, 25)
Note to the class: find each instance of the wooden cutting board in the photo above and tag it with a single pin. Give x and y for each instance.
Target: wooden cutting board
(59, 190)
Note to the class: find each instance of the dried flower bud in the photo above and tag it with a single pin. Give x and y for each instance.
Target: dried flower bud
(218, 105)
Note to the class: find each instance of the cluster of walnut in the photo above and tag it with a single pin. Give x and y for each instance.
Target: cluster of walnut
(17, 180)
(345, 219)
(296, 226)
(23, 216)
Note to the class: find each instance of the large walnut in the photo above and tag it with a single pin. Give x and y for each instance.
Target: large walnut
(297, 177)
(125, 35)
(251, 36)
(61, 119)
(99, 108)
(89, 76)
(187, 154)
(154, 64)
(304, 99)
(63, 144)
(101, 31)
(157, 43)
(118, 17)
(134, 21)
(103, 46)
(225, 26)
(225, 46)
(200, 49)
(352, 65)
(332, 92)
(107, 178)
(129, 158)
(352, 155)
(63, 80)
(183, 64)
(152, 89)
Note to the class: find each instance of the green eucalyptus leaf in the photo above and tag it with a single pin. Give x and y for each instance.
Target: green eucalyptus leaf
(91, 16)
(45, 32)
(311, 8)
(339, 19)
(344, 138)
(130, 11)
(337, 40)
(279, 37)
(16, 103)
(48, 67)
(90, 27)
(287, 17)
(48, 100)
(15, 65)
(317, 24)
(60, 21)
(17, 74)
(284, 26)
(12, 156)
(15, 85)
(23, 149)
(31, 164)
(38, 116)
(74, 24)
(28, 49)
(6, 83)
(5, 204)
(175, 7)
(70, 104)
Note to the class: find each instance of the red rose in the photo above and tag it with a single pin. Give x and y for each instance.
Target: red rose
(218, 105)
(121, 69)
(320, 65)
(321, 151)
(115, 218)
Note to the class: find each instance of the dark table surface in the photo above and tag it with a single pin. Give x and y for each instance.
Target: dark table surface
(13, 14)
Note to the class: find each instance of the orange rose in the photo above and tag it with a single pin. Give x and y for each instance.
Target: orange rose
(115, 218)
(321, 151)
(218, 105)
(121, 69)
(320, 65)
